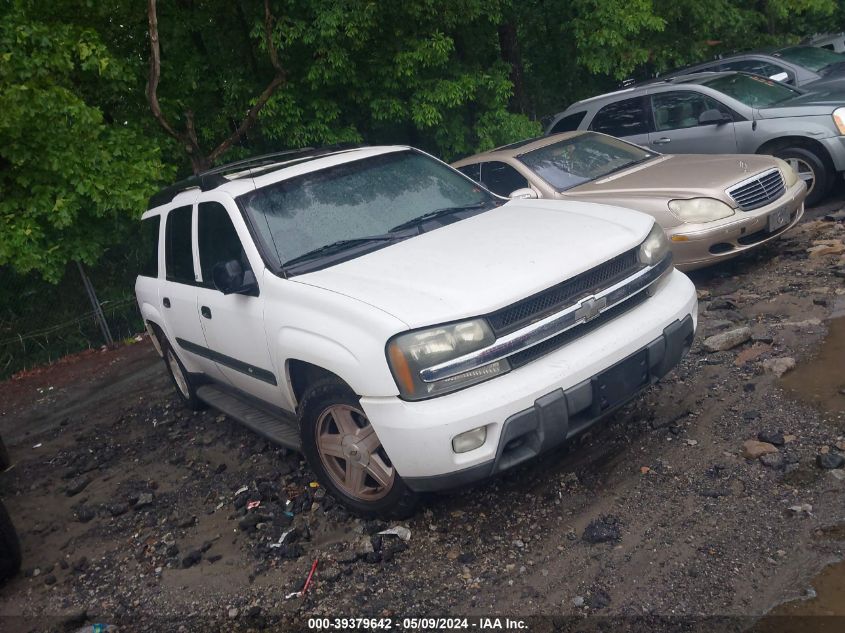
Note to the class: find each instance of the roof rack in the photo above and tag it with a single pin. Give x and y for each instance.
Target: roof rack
(216, 176)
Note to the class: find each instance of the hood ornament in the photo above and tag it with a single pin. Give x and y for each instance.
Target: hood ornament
(743, 166)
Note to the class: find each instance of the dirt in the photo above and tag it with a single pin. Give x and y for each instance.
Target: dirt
(652, 519)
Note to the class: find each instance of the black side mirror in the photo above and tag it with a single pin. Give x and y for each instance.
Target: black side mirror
(229, 278)
(713, 117)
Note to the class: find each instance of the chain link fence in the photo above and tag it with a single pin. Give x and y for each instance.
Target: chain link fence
(45, 345)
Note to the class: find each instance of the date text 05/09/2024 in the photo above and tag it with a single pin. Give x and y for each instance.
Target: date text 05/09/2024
(418, 624)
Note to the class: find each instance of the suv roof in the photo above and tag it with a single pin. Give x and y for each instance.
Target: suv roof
(248, 167)
(638, 88)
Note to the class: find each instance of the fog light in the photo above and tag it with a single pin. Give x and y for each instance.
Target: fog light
(470, 440)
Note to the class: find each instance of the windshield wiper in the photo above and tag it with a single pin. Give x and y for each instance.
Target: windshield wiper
(438, 213)
(342, 245)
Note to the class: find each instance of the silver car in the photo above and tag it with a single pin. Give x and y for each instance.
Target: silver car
(724, 113)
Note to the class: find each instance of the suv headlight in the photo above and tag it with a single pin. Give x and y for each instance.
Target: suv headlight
(839, 119)
(700, 209)
(411, 352)
(654, 247)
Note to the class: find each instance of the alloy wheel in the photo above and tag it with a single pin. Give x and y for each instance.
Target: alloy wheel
(804, 170)
(352, 454)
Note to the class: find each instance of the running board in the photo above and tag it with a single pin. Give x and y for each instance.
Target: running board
(279, 429)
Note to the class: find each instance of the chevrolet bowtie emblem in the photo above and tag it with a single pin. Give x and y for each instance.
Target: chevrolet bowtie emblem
(590, 308)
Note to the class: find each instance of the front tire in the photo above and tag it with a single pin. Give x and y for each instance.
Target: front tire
(344, 451)
(185, 388)
(812, 169)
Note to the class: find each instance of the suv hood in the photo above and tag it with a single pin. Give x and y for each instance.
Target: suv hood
(485, 262)
(676, 176)
(823, 100)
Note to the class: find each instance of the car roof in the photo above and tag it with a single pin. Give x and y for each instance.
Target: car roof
(517, 149)
(276, 166)
(692, 78)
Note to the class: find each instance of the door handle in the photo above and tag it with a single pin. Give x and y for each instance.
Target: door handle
(206, 312)
(661, 141)
(166, 302)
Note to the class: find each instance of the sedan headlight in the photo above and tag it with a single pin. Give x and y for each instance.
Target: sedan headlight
(839, 119)
(410, 353)
(790, 176)
(700, 209)
(654, 247)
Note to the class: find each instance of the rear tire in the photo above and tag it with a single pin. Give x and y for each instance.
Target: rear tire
(185, 387)
(812, 169)
(345, 453)
(10, 546)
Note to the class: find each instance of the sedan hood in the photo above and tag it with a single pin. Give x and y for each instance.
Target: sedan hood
(676, 176)
(485, 262)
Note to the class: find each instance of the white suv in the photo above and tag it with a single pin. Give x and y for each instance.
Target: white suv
(404, 328)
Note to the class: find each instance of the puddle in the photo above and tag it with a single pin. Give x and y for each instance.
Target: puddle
(821, 380)
(811, 615)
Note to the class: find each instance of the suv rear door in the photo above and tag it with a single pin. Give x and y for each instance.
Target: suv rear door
(628, 118)
(677, 129)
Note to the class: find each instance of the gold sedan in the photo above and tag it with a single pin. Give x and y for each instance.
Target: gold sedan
(712, 207)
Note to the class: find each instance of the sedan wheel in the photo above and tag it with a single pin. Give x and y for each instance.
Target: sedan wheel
(352, 454)
(805, 172)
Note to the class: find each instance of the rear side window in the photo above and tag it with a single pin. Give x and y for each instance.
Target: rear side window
(568, 123)
(218, 240)
(623, 118)
(472, 171)
(501, 178)
(755, 66)
(149, 246)
(179, 258)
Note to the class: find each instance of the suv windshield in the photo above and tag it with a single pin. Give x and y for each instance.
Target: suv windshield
(582, 158)
(815, 59)
(326, 216)
(752, 90)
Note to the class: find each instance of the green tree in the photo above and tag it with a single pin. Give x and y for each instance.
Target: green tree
(70, 175)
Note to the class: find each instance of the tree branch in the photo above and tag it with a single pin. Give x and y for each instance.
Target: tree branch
(278, 79)
(155, 72)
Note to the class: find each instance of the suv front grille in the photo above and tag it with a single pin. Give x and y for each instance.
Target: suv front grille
(526, 311)
(758, 190)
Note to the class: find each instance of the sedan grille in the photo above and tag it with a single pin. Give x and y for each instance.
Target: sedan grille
(758, 190)
(557, 297)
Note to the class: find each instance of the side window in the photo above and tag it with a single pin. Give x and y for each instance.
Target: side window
(218, 240)
(149, 246)
(472, 171)
(679, 110)
(178, 255)
(758, 67)
(623, 118)
(501, 178)
(568, 123)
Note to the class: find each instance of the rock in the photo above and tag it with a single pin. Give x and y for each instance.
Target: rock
(772, 460)
(250, 521)
(598, 599)
(804, 508)
(233, 613)
(838, 474)
(116, 509)
(50, 579)
(727, 340)
(752, 353)
(77, 485)
(829, 461)
(748, 416)
(836, 216)
(771, 437)
(778, 366)
(834, 248)
(144, 499)
(192, 558)
(752, 449)
(602, 530)
(85, 514)
(578, 601)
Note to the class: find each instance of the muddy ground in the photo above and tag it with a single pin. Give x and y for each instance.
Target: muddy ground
(129, 511)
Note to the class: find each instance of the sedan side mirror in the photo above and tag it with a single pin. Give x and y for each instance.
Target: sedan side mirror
(526, 193)
(230, 278)
(713, 117)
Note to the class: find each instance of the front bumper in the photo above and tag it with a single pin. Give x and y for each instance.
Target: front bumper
(709, 243)
(417, 436)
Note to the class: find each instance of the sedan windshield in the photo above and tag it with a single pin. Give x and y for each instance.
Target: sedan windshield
(582, 158)
(752, 90)
(811, 57)
(343, 211)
